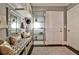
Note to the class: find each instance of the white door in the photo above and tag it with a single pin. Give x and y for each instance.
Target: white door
(73, 27)
(54, 27)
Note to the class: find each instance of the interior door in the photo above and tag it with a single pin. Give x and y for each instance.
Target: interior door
(73, 27)
(54, 27)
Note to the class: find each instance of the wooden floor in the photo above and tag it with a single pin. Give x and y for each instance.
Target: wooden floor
(56, 50)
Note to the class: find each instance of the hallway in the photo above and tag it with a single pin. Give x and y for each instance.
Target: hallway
(49, 50)
(24, 25)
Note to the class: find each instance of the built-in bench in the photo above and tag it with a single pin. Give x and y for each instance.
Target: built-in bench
(22, 46)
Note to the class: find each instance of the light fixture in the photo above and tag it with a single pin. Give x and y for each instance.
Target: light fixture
(14, 25)
(37, 25)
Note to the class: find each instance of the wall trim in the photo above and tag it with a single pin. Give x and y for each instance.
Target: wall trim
(69, 47)
(7, 20)
(49, 8)
(71, 5)
(30, 51)
(72, 49)
(50, 45)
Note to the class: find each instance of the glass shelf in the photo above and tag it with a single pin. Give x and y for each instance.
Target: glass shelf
(39, 32)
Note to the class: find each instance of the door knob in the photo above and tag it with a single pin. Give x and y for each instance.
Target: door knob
(68, 30)
(60, 29)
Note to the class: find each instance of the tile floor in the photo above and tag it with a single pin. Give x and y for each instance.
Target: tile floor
(55, 50)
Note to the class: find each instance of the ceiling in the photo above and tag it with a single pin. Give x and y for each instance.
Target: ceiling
(49, 4)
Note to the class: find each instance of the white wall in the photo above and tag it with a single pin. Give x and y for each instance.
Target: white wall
(3, 22)
(2, 16)
(73, 26)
